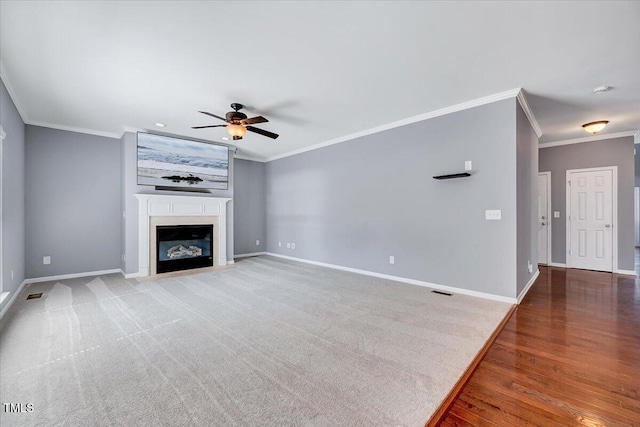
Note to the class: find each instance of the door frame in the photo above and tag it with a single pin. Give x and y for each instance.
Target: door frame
(548, 214)
(614, 213)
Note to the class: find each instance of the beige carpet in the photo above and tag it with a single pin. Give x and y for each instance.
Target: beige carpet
(269, 342)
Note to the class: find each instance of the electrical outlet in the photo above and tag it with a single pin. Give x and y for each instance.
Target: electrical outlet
(288, 245)
(467, 165)
(279, 244)
(293, 246)
(392, 259)
(529, 266)
(257, 242)
(46, 260)
(556, 214)
(493, 215)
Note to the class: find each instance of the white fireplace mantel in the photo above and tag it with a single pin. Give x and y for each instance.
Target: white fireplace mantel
(164, 205)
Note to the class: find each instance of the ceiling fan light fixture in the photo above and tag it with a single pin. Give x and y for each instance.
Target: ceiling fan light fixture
(595, 127)
(236, 130)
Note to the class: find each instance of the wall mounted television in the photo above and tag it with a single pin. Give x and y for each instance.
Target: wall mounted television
(166, 161)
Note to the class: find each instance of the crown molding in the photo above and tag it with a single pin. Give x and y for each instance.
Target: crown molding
(245, 157)
(12, 94)
(75, 129)
(527, 110)
(633, 133)
(425, 116)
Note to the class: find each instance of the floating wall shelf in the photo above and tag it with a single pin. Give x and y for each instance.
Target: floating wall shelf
(453, 175)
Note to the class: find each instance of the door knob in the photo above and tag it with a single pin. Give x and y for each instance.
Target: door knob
(607, 225)
(544, 217)
(544, 223)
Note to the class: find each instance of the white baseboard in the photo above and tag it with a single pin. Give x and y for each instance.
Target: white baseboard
(249, 254)
(627, 272)
(13, 298)
(557, 264)
(72, 276)
(231, 262)
(130, 275)
(401, 279)
(526, 288)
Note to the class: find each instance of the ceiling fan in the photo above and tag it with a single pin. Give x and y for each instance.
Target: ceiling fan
(238, 124)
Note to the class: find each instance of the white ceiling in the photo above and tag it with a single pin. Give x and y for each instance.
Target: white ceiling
(318, 70)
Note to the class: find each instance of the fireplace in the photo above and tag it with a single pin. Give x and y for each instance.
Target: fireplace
(183, 247)
(155, 210)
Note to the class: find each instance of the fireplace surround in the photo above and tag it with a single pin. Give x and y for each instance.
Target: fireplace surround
(168, 210)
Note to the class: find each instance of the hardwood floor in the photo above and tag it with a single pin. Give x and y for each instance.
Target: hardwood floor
(569, 356)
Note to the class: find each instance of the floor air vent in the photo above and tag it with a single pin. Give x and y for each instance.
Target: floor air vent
(442, 293)
(34, 296)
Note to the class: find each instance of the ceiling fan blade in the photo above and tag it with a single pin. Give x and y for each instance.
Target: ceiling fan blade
(254, 120)
(236, 137)
(213, 115)
(263, 132)
(210, 126)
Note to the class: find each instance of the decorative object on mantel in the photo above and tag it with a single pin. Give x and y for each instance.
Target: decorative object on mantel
(453, 175)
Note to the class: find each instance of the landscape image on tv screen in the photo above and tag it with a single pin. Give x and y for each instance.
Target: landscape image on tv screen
(165, 161)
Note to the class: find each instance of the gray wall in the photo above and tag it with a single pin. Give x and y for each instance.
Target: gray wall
(356, 203)
(128, 155)
(608, 152)
(527, 199)
(72, 202)
(249, 206)
(13, 182)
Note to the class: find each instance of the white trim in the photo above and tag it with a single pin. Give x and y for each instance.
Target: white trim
(526, 288)
(636, 137)
(401, 279)
(13, 298)
(614, 213)
(549, 217)
(129, 275)
(557, 264)
(3, 135)
(587, 139)
(430, 115)
(74, 129)
(627, 272)
(231, 262)
(4, 296)
(250, 254)
(12, 93)
(527, 111)
(244, 157)
(72, 276)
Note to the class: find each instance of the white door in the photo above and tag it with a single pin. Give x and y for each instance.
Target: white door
(591, 219)
(543, 217)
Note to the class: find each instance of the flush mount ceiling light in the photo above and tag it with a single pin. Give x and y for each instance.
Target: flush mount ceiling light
(602, 89)
(595, 127)
(160, 125)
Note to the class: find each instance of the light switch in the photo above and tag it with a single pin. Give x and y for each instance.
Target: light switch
(493, 215)
(556, 214)
(467, 165)
(46, 260)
